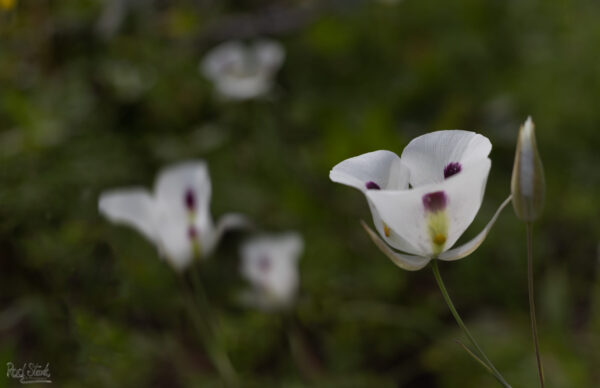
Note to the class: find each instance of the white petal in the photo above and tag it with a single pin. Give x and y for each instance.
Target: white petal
(279, 278)
(173, 215)
(403, 211)
(426, 156)
(269, 54)
(468, 248)
(381, 167)
(223, 59)
(176, 244)
(406, 262)
(226, 222)
(175, 181)
(133, 207)
(391, 237)
(243, 88)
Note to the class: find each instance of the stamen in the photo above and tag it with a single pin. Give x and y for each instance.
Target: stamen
(452, 168)
(190, 200)
(386, 230)
(435, 201)
(370, 185)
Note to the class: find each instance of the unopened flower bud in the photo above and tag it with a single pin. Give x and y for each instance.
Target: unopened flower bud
(528, 185)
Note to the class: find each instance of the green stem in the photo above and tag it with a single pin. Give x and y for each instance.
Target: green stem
(306, 362)
(534, 332)
(200, 312)
(440, 282)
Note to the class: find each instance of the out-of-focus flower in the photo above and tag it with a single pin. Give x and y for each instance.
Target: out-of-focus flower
(7, 4)
(270, 264)
(528, 185)
(422, 202)
(241, 72)
(176, 217)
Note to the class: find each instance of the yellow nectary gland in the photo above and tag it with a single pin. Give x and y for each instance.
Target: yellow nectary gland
(386, 230)
(437, 224)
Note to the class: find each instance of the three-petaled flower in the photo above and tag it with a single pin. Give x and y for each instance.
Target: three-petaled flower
(176, 217)
(242, 72)
(270, 264)
(423, 201)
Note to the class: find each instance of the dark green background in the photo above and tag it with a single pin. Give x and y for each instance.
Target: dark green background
(81, 113)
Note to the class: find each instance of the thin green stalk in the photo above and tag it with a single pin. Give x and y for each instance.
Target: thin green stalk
(200, 312)
(305, 360)
(440, 282)
(470, 353)
(534, 332)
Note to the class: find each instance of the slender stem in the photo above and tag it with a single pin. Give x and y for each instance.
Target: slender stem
(475, 357)
(534, 333)
(200, 312)
(305, 360)
(440, 282)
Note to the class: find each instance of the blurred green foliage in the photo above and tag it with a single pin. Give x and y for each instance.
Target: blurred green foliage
(87, 105)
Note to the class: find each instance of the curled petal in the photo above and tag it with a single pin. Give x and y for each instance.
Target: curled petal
(406, 262)
(132, 207)
(468, 248)
(374, 169)
(226, 222)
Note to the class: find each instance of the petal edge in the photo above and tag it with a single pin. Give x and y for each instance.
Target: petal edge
(469, 247)
(406, 262)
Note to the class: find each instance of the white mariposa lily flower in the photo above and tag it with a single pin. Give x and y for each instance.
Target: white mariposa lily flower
(176, 217)
(241, 72)
(270, 264)
(422, 202)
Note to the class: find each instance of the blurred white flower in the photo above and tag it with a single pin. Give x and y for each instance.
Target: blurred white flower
(176, 217)
(422, 202)
(270, 264)
(241, 72)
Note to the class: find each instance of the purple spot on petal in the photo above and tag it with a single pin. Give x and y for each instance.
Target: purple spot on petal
(190, 200)
(370, 185)
(452, 168)
(435, 201)
(264, 264)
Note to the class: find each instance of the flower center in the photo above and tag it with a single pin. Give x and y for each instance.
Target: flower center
(437, 220)
(452, 168)
(370, 185)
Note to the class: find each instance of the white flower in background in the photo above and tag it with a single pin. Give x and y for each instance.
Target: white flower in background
(176, 217)
(241, 72)
(270, 264)
(422, 202)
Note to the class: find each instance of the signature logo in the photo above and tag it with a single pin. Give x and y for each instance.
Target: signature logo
(29, 373)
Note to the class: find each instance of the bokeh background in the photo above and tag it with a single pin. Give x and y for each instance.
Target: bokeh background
(101, 94)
